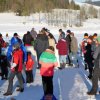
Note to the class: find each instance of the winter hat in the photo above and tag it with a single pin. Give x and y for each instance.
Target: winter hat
(60, 30)
(0, 35)
(98, 39)
(15, 34)
(45, 29)
(68, 31)
(85, 34)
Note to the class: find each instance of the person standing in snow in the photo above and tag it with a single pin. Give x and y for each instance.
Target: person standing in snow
(74, 49)
(94, 42)
(16, 69)
(27, 39)
(16, 39)
(2, 42)
(41, 44)
(96, 72)
(89, 56)
(60, 34)
(48, 61)
(29, 67)
(68, 40)
(48, 33)
(33, 33)
(7, 40)
(83, 48)
(62, 47)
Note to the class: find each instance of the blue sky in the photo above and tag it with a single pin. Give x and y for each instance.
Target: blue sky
(84, 0)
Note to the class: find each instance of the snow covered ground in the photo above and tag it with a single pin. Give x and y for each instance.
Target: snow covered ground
(70, 83)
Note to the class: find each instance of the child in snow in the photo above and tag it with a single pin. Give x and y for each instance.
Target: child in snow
(48, 61)
(16, 69)
(29, 66)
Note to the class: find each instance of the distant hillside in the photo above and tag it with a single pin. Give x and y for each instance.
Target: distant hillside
(96, 3)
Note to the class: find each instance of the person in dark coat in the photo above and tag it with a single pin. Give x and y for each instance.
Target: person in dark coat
(48, 33)
(96, 72)
(41, 44)
(33, 33)
(27, 39)
(68, 39)
(89, 56)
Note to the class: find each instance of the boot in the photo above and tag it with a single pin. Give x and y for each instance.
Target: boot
(86, 66)
(64, 64)
(7, 94)
(61, 66)
(90, 76)
(48, 97)
(91, 93)
(20, 89)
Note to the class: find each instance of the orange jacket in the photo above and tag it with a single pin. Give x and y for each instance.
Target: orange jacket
(29, 63)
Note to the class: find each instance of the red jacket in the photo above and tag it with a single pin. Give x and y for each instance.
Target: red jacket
(17, 58)
(29, 63)
(62, 47)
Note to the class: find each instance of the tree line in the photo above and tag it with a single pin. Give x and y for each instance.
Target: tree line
(26, 7)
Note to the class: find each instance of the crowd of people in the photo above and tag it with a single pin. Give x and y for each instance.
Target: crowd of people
(45, 44)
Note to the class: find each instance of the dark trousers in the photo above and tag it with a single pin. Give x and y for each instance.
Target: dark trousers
(4, 67)
(4, 71)
(29, 76)
(90, 67)
(47, 85)
(69, 60)
(95, 78)
(38, 57)
(11, 77)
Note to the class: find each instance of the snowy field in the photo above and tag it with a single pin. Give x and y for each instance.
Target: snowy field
(70, 83)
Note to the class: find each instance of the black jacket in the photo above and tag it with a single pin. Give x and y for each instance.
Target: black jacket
(27, 39)
(88, 55)
(41, 43)
(68, 39)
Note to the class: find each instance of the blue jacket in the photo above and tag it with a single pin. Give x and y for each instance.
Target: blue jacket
(10, 49)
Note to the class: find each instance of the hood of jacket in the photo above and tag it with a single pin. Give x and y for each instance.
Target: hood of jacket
(48, 57)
